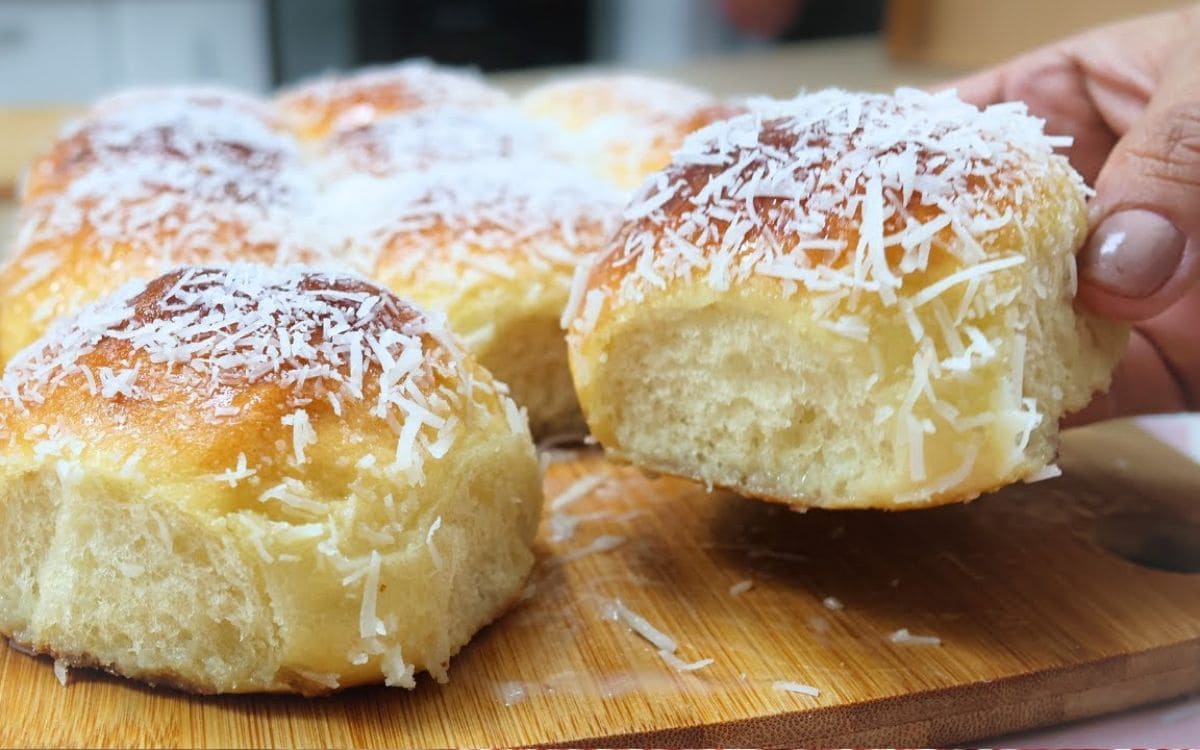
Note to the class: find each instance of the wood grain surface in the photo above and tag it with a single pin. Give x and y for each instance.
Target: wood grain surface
(1039, 623)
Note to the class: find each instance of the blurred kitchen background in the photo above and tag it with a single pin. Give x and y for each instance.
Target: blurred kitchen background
(67, 51)
(54, 51)
(57, 55)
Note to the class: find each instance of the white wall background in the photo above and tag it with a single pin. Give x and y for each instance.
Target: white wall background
(64, 51)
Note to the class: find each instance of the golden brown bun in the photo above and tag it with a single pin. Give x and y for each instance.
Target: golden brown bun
(627, 125)
(145, 182)
(247, 479)
(845, 300)
(334, 103)
(494, 244)
(427, 138)
(184, 123)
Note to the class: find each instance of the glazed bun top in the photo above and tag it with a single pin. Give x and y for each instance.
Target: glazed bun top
(331, 104)
(859, 199)
(203, 364)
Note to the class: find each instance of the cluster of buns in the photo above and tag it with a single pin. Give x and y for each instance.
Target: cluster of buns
(427, 179)
(231, 463)
(145, 182)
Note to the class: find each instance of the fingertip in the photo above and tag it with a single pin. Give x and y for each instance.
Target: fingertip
(1105, 304)
(1141, 384)
(981, 89)
(1136, 263)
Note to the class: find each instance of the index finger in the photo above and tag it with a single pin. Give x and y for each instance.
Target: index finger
(982, 89)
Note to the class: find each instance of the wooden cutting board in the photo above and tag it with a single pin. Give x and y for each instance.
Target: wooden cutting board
(1039, 623)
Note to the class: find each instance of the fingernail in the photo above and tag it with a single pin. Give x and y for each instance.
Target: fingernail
(1133, 253)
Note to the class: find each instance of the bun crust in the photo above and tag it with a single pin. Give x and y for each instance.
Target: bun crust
(495, 245)
(423, 182)
(845, 300)
(325, 106)
(626, 125)
(428, 138)
(177, 124)
(242, 479)
(146, 182)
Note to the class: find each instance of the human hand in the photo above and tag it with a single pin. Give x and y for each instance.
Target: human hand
(1130, 96)
(761, 18)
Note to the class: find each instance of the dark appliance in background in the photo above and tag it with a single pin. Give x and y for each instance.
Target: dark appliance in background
(492, 35)
(313, 36)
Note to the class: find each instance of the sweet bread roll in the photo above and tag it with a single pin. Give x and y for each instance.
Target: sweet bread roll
(845, 300)
(144, 183)
(415, 141)
(333, 103)
(170, 123)
(248, 479)
(493, 244)
(627, 125)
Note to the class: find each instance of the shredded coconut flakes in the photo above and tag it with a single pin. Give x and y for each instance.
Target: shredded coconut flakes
(846, 195)
(904, 638)
(787, 686)
(218, 329)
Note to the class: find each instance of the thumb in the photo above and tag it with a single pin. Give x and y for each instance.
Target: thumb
(1144, 251)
